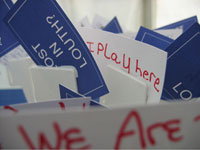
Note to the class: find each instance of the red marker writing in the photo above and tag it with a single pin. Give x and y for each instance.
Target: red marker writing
(11, 108)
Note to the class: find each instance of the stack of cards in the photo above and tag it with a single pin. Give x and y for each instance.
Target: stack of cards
(181, 79)
(53, 73)
(79, 61)
(87, 56)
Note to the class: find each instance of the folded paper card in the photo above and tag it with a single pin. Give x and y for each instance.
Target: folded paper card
(46, 81)
(15, 54)
(19, 75)
(183, 24)
(7, 40)
(12, 95)
(99, 22)
(182, 74)
(170, 33)
(4, 81)
(147, 127)
(129, 34)
(155, 39)
(124, 89)
(50, 39)
(68, 93)
(84, 22)
(113, 26)
(134, 57)
(54, 105)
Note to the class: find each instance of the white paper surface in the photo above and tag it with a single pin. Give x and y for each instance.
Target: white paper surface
(129, 34)
(4, 81)
(174, 126)
(124, 89)
(171, 33)
(15, 54)
(46, 81)
(99, 22)
(84, 22)
(49, 106)
(130, 56)
(19, 75)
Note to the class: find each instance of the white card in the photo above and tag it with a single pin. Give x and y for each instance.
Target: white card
(124, 89)
(4, 82)
(171, 33)
(84, 22)
(129, 34)
(134, 57)
(99, 22)
(55, 105)
(15, 54)
(173, 126)
(19, 75)
(46, 81)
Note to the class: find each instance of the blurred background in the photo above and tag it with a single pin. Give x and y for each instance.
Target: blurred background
(132, 13)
